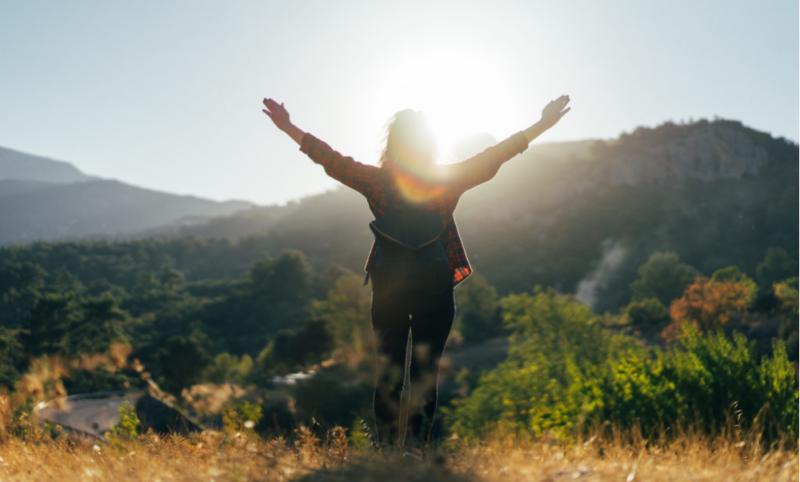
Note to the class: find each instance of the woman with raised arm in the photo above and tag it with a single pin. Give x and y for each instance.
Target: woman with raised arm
(407, 192)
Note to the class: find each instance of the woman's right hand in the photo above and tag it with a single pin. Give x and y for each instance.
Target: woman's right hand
(278, 114)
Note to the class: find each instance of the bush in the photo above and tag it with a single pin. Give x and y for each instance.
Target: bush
(648, 311)
(127, 428)
(326, 401)
(345, 312)
(548, 382)
(183, 361)
(563, 369)
(241, 417)
(787, 295)
(708, 305)
(478, 314)
(292, 350)
(777, 265)
(663, 276)
(734, 275)
(701, 380)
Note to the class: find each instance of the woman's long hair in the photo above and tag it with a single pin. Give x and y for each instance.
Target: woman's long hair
(409, 142)
(410, 157)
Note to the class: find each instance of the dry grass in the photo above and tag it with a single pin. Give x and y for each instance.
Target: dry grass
(213, 457)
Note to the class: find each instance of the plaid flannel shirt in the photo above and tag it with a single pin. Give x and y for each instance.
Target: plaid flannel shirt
(371, 182)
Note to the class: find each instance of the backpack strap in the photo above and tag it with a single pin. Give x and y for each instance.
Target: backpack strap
(389, 197)
(389, 206)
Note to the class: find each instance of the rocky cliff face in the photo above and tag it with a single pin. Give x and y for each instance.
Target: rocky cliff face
(707, 151)
(669, 154)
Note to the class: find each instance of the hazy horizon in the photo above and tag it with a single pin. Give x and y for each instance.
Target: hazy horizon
(167, 97)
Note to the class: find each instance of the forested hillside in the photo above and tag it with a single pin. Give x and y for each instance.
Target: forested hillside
(717, 193)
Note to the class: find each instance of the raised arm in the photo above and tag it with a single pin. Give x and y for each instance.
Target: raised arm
(280, 117)
(551, 114)
(482, 167)
(361, 177)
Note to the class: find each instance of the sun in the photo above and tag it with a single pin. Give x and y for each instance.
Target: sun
(461, 92)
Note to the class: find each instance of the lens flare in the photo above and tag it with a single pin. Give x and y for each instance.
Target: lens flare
(418, 187)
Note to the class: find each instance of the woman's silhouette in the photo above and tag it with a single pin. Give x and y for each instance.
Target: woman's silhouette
(409, 174)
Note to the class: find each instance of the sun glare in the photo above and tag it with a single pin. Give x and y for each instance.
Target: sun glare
(461, 92)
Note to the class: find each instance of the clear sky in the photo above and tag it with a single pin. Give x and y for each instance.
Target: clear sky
(166, 95)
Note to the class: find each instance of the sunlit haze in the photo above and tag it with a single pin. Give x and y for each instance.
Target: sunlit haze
(166, 95)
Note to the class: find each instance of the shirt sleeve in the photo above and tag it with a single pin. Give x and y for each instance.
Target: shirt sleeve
(361, 177)
(482, 167)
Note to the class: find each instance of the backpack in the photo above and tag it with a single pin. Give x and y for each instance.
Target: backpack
(410, 254)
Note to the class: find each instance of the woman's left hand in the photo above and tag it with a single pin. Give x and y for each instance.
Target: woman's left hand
(554, 111)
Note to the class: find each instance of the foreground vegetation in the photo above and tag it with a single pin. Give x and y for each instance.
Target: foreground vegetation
(686, 349)
(606, 456)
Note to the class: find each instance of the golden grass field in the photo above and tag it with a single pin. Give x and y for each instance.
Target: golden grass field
(215, 457)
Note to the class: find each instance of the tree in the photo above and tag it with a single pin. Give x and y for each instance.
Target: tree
(170, 278)
(733, 274)
(10, 357)
(292, 350)
(229, 368)
(787, 295)
(556, 345)
(48, 323)
(478, 314)
(707, 305)
(346, 312)
(272, 298)
(20, 283)
(786, 292)
(101, 323)
(286, 277)
(777, 266)
(648, 311)
(69, 325)
(664, 277)
(183, 361)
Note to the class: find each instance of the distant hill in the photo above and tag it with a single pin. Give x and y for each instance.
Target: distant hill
(12, 187)
(21, 166)
(716, 192)
(43, 199)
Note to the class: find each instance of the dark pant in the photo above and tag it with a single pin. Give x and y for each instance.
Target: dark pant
(428, 318)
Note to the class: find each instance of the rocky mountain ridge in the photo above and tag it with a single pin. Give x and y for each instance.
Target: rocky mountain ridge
(546, 176)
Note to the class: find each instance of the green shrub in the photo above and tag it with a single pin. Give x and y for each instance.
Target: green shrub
(326, 401)
(563, 368)
(548, 383)
(241, 417)
(646, 312)
(777, 265)
(478, 314)
(734, 275)
(127, 428)
(700, 381)
(663, 276)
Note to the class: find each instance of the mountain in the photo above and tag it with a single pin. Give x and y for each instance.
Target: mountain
(44, 199)
(11, 187)
(718, 193)
(20, 166)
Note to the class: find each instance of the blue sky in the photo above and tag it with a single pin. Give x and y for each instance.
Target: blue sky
(166, 95)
